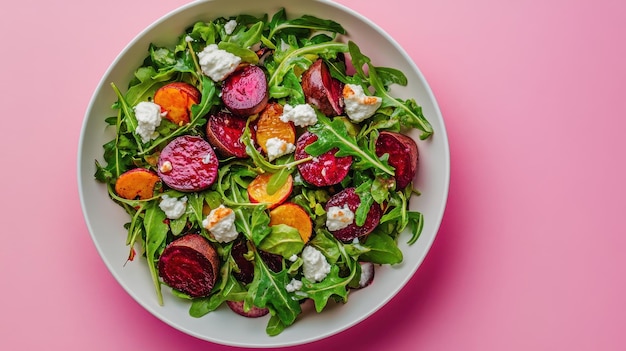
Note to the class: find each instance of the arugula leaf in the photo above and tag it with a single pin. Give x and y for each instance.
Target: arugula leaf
(156, 233)
(334, 134)
(279, 22)
(409, 112)
(268, 290)
(333, 285)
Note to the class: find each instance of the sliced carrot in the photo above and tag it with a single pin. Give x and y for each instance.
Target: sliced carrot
(137, 183)
(176, 99)
(257, 191)
(295, 216)
(270, 126)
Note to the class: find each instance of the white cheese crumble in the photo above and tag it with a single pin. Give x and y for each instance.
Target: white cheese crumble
(230, 26)
(314, 265)
(294, 285)
(221, 223)
(338, 217)
(174, 208)
(188, 39)
(293, 258)
(217, 63)
(366, 276)
(166, 167)
(302, 115)
(277, 147)
(357, 105)
(148, 116)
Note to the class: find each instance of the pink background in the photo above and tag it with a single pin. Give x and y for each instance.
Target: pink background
(530, 255)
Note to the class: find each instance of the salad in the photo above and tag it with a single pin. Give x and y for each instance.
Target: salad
(263, 162)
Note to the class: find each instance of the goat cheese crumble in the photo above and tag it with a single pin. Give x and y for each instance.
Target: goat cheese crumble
(220, 222)
(216, 63)
(302, 115)
(339, 217)
(277, 147)
(148, 116)
(357, 105)
(230, 26)
(314, 265)
(174, 208)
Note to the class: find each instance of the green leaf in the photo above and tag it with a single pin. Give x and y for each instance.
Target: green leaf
(274, 326)
(268, 290)
(156, 233)
(410, 113)
(383, 249)
(245, 54)
(312, 23)
(283, 240)
(334, 134)
(331, 286)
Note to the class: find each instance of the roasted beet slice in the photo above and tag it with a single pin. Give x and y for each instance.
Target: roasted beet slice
(274, 262)
(403, 155)
(322, 90)
(190, 264)
(245, 92)
(188, 163)
(323, 170)
(224, 131)
(350, 198)
(253, 312)
(245, 273)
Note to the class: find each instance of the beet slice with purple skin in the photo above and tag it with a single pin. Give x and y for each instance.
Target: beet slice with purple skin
(190, 264)
(224, 131)
(322, 90)
(403, 155)
(245, 273)
(245, 92)
(253, 312)
(188, 163)
(350, 198)
(323, 170)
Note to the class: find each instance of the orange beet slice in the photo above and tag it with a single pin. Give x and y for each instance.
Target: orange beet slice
(257, 191)
(176, 99)
(270, 126)
(137, 183)
(294, 216)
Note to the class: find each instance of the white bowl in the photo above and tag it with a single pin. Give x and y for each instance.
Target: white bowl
(105, 219)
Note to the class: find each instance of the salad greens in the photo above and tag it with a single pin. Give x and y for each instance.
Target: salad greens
(294, 45)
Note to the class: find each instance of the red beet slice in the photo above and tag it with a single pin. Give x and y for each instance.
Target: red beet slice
(350, 198)
(245, 92)
(224, 131)
(322, 90)
(245, 274)
(273, 261)
(325, 169)
(254, 312)
(189, 264)
(403, 155)
(188, 163)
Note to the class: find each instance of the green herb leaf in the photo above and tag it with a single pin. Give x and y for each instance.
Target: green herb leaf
(283, 240)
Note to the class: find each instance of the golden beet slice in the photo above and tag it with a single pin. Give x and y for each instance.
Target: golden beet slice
(176, 99)
(137, 183)
(294, 216)
(257, 191)
(270, 126)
